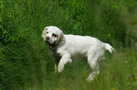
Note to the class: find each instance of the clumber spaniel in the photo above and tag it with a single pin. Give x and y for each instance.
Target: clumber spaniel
(65, 48)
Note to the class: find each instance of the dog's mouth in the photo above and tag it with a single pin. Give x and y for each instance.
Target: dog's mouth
(50, 44)
(47, 41)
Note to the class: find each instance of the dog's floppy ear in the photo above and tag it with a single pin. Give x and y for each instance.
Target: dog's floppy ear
(61, 36)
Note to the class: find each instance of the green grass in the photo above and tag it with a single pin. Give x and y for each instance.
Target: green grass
(25, 62)
(116, 73)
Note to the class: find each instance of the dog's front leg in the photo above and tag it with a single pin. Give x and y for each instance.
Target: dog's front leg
(66, 58)
(56, 64)
(56, 67)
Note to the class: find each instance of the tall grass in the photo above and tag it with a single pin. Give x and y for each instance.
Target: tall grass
(117, 72)
(25, 62)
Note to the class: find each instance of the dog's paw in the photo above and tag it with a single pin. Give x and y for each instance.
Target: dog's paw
(90, 78)
(60, 68)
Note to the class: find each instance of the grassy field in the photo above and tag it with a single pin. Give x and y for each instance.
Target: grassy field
(118, 72)
(25, 62)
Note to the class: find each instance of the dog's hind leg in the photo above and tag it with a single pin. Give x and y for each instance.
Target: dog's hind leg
(92, 61)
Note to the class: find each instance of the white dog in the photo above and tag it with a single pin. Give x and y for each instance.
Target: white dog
(64, 48)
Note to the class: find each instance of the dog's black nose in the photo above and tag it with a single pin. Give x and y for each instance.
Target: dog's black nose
(47, 38)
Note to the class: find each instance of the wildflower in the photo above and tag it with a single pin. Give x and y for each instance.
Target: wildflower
(109, 34)
(128, 76)
(136, 78)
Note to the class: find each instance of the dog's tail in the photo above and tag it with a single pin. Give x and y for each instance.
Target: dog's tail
(109, 48)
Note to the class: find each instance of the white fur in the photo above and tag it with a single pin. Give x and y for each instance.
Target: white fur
(69, 47)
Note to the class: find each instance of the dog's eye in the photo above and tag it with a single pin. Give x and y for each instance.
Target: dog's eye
(54, 35)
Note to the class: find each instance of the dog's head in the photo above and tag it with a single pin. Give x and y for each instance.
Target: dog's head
(52, 35)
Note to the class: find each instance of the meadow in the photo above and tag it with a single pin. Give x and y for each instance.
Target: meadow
(25, 62)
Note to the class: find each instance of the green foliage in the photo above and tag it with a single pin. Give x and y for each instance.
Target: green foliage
(98, 18)
(24, 58)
